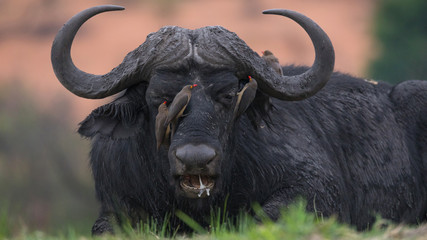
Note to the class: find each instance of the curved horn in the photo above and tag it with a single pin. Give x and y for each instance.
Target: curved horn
(78, 82)
(301, 86)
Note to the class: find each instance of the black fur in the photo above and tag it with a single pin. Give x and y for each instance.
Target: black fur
(355, 149)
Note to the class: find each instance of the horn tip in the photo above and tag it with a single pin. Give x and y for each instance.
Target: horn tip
(271, 11)
(113, 7)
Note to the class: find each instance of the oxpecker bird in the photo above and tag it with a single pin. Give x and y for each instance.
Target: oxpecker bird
(178, 105)
(162, 130)
(245, 96)
(272, 60)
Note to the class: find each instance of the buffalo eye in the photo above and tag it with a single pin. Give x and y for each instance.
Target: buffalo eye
(226, 98)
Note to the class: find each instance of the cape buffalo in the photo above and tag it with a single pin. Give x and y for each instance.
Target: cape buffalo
(351, 147)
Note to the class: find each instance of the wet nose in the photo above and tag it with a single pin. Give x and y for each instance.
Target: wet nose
(195, 155)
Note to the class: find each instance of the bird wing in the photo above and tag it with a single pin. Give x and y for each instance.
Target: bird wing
(246, 100)
(239, 98)
(245, 97)
(160, 127)
(177, 107)
(278, 68)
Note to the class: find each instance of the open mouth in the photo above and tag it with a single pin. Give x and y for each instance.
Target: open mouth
(197, 185)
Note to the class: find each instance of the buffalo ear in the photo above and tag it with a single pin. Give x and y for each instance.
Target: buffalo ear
(118, 119)
(260, 109)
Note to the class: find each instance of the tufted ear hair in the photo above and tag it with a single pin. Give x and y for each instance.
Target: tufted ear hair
(121, 118)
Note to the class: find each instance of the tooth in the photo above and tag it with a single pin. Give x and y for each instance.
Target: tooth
(201, 183)
(203, 188)
(201, 192)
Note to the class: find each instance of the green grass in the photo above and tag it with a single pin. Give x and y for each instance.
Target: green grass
(4, 222)
(296, 223)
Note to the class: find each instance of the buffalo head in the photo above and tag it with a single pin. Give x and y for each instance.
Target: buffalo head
(215, 59)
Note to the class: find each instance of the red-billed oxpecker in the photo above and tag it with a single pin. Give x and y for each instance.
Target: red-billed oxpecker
(178, 105)
(245, 96)
(272, 60)
(162, 129)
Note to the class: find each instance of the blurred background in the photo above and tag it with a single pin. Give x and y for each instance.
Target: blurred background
(45, 180)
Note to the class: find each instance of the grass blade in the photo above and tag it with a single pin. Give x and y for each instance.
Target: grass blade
(190, 222)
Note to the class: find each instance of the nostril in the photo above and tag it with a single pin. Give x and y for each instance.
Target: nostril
(190, 154)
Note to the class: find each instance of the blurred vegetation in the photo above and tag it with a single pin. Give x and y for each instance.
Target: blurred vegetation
(295, 223)
(45, 181)
(400, 29)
